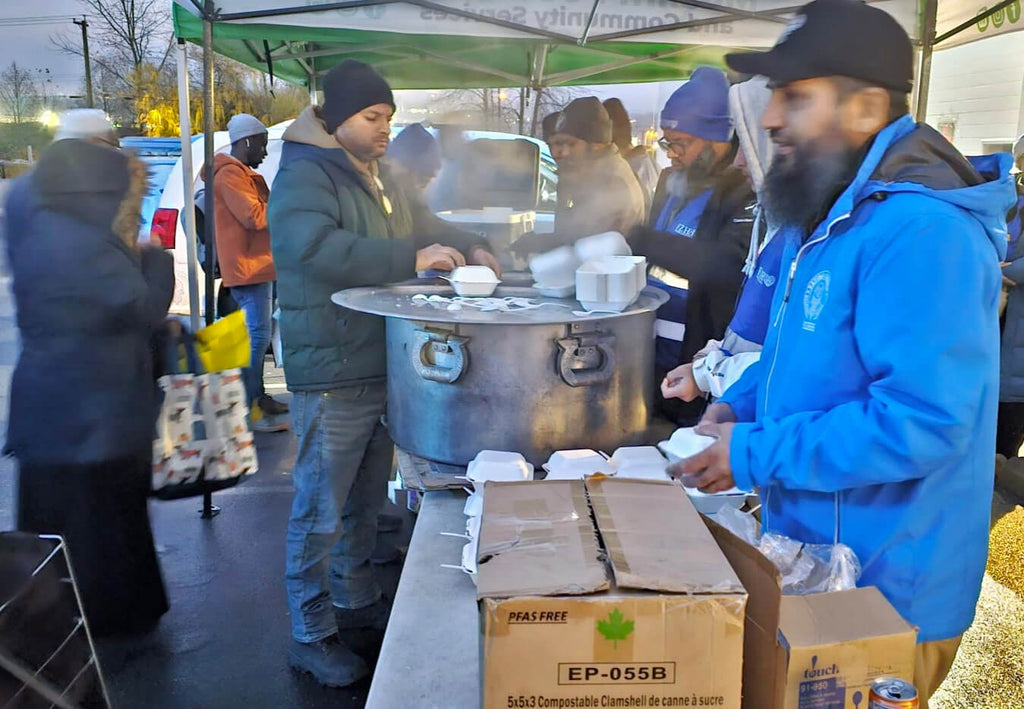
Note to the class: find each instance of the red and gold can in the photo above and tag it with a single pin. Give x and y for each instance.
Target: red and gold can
(892, 693)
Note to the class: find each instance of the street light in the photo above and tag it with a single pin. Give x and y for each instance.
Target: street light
(49, 119)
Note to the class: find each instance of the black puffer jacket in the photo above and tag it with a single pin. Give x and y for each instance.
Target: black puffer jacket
(88, 302)
(712, 261)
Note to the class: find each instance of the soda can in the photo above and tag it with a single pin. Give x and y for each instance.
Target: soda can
(892, 693)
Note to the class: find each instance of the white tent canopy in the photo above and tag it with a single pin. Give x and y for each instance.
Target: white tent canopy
(531, 43)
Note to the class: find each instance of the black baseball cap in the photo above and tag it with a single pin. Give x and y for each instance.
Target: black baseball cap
(836, 38)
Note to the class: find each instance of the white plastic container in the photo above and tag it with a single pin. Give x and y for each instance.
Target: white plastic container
(709, 504)
(609, 243)
(576, 464)
(500, 226)
(473, 281)
(684, 443)
(474, 506)
(639, 462)
(566, 291)
(556, 268)
(498, 466)
(610, 283)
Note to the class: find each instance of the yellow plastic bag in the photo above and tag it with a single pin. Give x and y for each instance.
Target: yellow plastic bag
(225, 344)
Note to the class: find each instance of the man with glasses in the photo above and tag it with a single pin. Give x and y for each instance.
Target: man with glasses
(700, 227)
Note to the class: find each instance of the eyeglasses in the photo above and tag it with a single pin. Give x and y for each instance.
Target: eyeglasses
(679, 147)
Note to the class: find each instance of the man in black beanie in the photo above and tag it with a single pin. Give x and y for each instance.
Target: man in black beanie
(338, 220)
(597, 190)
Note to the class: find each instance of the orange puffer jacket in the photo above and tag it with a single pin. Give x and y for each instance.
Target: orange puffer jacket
(243, 240)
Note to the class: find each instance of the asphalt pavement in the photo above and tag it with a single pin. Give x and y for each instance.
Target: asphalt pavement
(224, 642)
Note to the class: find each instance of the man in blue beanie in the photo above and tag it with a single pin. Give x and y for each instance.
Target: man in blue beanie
(698, 233)
(414, 156)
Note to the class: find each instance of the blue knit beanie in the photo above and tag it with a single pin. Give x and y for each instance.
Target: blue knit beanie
(416, 150)
(700, 107)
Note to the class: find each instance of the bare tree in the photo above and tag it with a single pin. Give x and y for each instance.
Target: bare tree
(503, 109)
(128, 34)
(19, 95)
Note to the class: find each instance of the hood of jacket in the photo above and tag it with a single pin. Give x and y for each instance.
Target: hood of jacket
(747, 103)
(915, 158)
(95, 183)
(307, 139)
(221, 161)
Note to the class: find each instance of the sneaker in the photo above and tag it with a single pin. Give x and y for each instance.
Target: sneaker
(329, 660)
(271, 406)
(384, 553)
(388, 523)
(259, 422)
(374, 617)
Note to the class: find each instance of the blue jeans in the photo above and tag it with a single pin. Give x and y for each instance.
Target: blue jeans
(257, 302)
(341, 475)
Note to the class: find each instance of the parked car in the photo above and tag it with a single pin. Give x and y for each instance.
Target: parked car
(166, 218)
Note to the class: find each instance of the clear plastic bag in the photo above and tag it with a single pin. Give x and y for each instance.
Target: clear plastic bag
(805, 568)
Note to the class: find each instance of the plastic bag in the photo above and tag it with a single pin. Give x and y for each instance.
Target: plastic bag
(224, 344)
(805, 568)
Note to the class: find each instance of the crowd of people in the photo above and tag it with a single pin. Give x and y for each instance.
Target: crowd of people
(833, 322)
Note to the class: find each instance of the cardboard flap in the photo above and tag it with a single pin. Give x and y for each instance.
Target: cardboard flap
(764, 584)
(839, 617)
(537, 539)
(656, 540)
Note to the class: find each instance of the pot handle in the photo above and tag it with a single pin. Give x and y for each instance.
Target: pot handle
(426, 348)
(586, 360)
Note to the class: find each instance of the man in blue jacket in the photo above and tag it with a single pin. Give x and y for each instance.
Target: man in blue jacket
(870, 418)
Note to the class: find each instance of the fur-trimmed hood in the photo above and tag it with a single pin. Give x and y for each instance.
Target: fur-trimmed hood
(96, 183)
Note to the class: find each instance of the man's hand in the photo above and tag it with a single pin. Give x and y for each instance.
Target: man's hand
(715, 414)
(680, 384)
(710, 470)
(479, 256)
(438, 258)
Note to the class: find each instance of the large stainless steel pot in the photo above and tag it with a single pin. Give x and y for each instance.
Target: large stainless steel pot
(534, 381)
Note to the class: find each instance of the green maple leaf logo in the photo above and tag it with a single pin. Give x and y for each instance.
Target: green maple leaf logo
(616, 628)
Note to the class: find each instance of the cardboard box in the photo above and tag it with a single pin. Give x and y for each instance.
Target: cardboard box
(819, 651)
(609, 593)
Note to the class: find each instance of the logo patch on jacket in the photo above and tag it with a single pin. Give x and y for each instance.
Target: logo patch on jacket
(764, 278)
(815, 298)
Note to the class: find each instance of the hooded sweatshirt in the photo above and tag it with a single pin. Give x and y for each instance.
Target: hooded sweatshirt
(336, 223)
(240, 208)
(722, 362)
(871, 417)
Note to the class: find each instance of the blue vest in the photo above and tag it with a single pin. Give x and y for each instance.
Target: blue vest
(750, 321)
(681, 218)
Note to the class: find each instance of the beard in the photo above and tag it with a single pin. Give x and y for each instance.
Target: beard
(800, 187)
(698, 174)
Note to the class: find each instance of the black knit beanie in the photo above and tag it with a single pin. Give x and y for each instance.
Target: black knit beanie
(349, 88)
(547, 126)
(586, 119)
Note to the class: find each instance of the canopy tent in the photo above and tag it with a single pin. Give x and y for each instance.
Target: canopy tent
(514, 43)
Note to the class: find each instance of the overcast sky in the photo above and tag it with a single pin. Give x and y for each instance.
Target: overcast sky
(31, 47)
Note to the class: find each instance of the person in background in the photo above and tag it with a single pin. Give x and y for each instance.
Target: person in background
(547, 127)
(597, 190)
(243, 254)
(414, 158)
(445, 192)
(721, 362)
(337, 221)
(1010, 430)
(699, 231)
(639, 159)
(870, 418)
(90, 299)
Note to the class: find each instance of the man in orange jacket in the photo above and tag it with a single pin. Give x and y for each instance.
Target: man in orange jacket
(243, 252)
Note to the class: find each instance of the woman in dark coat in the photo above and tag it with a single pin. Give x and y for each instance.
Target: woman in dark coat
(83, 402)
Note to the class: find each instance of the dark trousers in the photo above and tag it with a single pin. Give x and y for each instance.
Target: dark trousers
(1010, 430)
(101, 511)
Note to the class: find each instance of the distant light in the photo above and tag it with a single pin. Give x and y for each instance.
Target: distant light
(49, 119)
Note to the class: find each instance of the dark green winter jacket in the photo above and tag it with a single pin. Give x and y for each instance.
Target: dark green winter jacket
(330, 232)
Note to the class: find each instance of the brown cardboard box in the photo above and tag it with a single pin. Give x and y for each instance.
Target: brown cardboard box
(642, 610)
(819, 651)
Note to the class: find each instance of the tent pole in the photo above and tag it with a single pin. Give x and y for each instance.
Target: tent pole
(188, 212)
(209, 510)
(924, 71)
